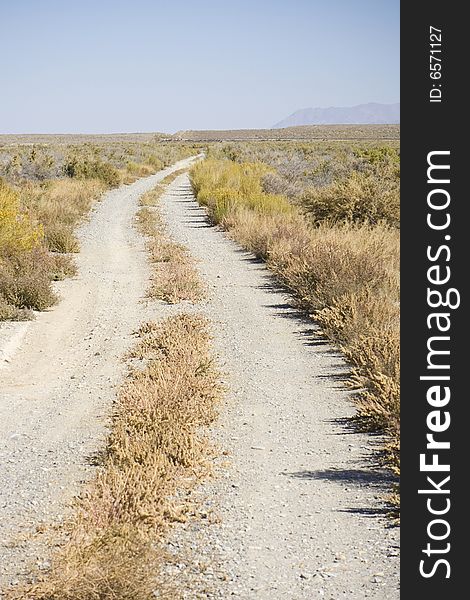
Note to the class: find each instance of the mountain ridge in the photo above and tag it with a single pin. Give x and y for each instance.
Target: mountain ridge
(371, 113)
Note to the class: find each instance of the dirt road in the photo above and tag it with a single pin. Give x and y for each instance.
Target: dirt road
(297, 505)
(295, 509)
(59, 381)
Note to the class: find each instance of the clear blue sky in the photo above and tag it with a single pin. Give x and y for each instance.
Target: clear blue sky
(164, 65)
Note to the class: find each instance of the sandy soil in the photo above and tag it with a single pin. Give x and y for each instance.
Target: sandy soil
(297, 506)
(58, 376)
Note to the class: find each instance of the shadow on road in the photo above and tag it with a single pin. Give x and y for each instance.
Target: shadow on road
(361, 477)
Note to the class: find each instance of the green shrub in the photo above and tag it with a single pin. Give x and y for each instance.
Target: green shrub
(362, 198)
(60, 238)
(84, 168)
(17, 233)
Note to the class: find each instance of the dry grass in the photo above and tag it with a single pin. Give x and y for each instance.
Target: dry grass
(155, 446)
(172, 176)
(59, 205)
(174, 276)
(111, 549)
(152, 198)
(345, 274)
(51, 187)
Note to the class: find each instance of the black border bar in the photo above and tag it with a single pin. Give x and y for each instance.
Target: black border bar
(435, 271)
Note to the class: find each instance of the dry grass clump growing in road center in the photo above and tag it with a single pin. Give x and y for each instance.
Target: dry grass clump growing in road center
(345, 273)
(152, 198)
(174, 277)
(172, 176)
(155, 446)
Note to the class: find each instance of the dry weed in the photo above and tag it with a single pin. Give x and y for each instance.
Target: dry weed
(174, 276)
(344, 274)
(155, 446)
(172, 176)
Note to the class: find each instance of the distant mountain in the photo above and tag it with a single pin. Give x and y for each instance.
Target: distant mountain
(371, 113)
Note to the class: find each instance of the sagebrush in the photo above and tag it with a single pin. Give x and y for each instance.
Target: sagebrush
(340, 259)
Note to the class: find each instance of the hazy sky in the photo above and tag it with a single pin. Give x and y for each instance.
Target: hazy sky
(155, 65)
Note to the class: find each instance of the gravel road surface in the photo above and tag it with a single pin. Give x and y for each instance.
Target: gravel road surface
(58, 376)
(295, 511)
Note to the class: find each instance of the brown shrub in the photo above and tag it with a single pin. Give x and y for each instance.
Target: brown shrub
(60, 238)
(25, 280)
(11, 313)
(61, 266)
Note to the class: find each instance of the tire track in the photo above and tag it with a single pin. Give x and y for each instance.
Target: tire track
(298, 504)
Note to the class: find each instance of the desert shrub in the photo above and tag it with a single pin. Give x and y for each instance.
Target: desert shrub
(25, 280)
(224, 186)
(17, 232)
(329, 266)
(85, 168)
(381, 155)
(61, 266)
(26, 266)
(343, 270)
(363, 197)
(366, 326)
(60, 238)
(11, 313)
(139, 170)
(63, 201)
(156, 162)
(274, 183)
(298, 166)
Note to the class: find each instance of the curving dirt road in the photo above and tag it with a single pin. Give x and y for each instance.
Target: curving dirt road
(58, 375)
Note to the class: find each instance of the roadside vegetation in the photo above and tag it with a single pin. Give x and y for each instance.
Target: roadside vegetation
(45, 192)
(325, 218)
(156, 450)
(155, 447)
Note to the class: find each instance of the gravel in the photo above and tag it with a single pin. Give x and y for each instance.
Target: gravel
(58, 377)
(295, 509)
